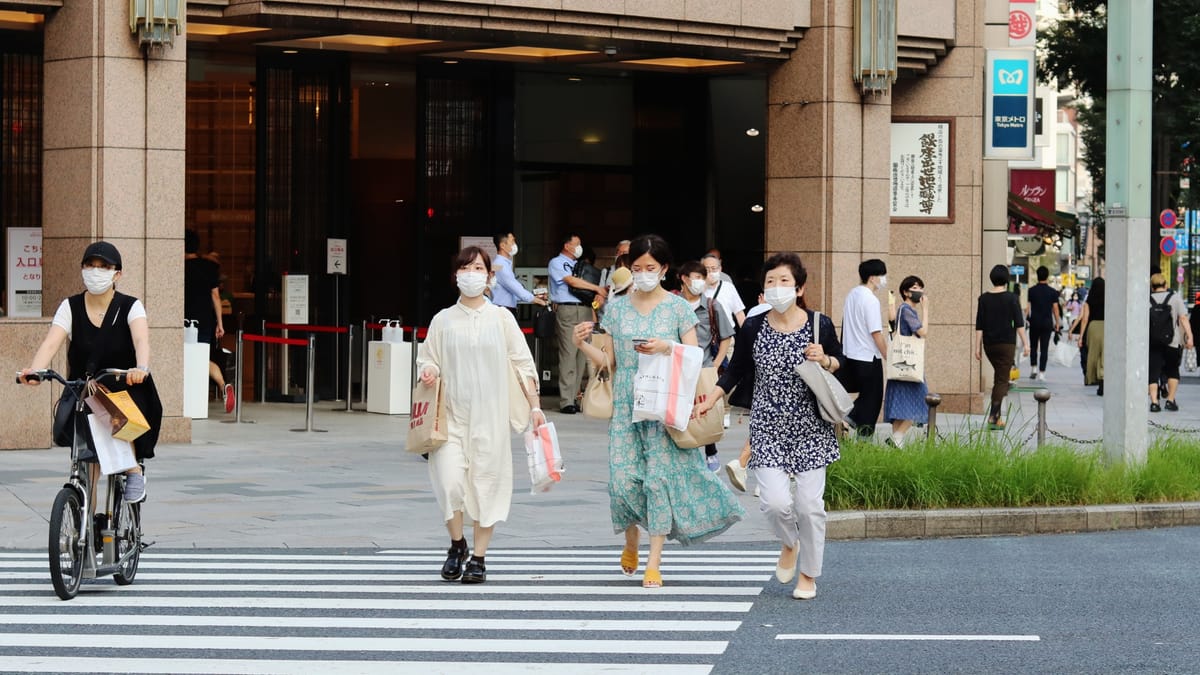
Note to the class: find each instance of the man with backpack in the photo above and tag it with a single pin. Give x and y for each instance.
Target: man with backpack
(1170, 333)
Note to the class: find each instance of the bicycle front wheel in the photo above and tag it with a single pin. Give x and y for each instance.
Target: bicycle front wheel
(66, 548)
(127, 530)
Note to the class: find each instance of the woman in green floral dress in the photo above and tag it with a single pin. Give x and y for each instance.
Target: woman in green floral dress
(652, 482)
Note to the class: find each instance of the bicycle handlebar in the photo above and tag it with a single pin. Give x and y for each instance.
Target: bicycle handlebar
(49, 374)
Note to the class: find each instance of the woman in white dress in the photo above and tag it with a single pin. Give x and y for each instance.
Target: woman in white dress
(472, 346)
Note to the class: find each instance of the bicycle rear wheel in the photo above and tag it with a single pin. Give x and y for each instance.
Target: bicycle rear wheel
(66, 548)
(127, 531)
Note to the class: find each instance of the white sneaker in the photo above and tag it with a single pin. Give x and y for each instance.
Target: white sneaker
(737, 474)
(1041, 376)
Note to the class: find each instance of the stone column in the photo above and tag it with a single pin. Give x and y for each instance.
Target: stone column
(114, 170)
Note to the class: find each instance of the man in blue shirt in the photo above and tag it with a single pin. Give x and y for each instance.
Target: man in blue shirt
(508, 291)
(569, 311)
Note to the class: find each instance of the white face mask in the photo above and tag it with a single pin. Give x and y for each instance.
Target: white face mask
(780, 298)
(514, 249)
(696, 286)
(471, 284)
(491, 283)
(646, 281)
(98, 279)
(714, 277)
(882, 281)
(577, 251)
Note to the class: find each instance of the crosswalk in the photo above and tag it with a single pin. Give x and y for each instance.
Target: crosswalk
(541, 611)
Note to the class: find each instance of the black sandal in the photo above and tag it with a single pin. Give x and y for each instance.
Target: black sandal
(458, 553)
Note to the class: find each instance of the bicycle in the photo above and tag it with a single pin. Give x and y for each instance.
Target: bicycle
(75, 552)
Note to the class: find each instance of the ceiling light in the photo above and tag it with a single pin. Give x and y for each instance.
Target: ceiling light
(291, 51)
(450, 62)
(752, 132)
(591, 139)
(757, 208)
(530, 52)
(677, 62)
(575, 79)
(218, 29)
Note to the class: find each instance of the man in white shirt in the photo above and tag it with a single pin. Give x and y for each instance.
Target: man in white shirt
(723, 292)
(863, 346)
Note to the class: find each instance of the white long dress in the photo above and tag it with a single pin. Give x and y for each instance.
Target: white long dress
(474, 349)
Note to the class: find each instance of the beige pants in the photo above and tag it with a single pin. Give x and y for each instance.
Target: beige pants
(571, 361)
(796, 513)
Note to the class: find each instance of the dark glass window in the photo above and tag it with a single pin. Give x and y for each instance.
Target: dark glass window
(20, 141)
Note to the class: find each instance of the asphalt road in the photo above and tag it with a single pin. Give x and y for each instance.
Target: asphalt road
(1092, 603)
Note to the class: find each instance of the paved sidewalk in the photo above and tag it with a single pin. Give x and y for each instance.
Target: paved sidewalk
(354, 486)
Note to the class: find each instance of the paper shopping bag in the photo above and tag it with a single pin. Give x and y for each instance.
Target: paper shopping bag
(118, 410)
(706, 429)
(427, 421)
(544, 458)
(906, 359)
(664, 388)
(115, 455)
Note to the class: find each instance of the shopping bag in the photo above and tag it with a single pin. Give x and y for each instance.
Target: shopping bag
(115, 455)
(1189, 360)
(833, 402)
(664, 388)
(1064, 353)
(117, 409)
(427, 421)
(906, 359)
(704, 429)
(598, 396)
(544, 458)
(1014, 373)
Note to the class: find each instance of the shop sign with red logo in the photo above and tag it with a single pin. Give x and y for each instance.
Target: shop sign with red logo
(1022, 23)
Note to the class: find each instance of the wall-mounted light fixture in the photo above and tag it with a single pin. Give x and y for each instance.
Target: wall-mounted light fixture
(875, 45)
(156, 22)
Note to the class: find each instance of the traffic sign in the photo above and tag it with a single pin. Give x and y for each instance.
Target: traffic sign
(1167, 246)
(1167, 218)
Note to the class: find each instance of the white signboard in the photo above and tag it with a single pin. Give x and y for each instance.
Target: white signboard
(295, 298)
(24, 272)
(1022, 23)
(335, 256)
(922, 171)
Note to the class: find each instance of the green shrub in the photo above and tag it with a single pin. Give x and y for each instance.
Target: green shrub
(991, 470)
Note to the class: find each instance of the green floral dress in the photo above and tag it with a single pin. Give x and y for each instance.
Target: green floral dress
(652, 482)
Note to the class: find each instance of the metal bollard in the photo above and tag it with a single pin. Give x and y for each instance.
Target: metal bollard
(933, 401)
(362, 382)
(237, 390)
(1042, 396)
(310, 386)
(262, 365)
(349, 365)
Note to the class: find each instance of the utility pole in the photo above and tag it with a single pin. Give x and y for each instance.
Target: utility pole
(1127, 186)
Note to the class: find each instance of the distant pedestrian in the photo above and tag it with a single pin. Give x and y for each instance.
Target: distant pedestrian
(1043, 322)
(1091, 330)
(202, 303)
(998, 322)
(508, 292)
(570, 311)
(863, 342)
(904, 403)
(1165, 356)
(792, 443)
(472, 346)
(652, 483)
(721, 289)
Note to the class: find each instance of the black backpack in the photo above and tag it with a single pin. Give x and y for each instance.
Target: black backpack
(1162, 324)
(588, 273)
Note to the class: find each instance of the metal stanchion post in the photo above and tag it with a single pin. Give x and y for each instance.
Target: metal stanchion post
(413, 372)
(310, 385)
(349, 362)
(933, 401)
(1042, 396)
(362, 382)
(262, 366)
(238, 371)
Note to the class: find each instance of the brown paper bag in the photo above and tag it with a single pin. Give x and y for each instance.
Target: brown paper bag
(706, 429)
(427, 422)
(118, 410)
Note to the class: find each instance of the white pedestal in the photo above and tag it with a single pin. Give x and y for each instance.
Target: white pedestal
(195, 380)
(389, 377)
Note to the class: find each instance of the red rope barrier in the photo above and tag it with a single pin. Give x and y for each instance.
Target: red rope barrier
(306, 328)
(295, 342)
(421, 332)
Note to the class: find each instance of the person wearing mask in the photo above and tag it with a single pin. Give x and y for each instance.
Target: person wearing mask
(1165, 358)
(998, 322)
(1091, 332)
(792, 443)
(472, 347)
(507, 291)
(622, 250)
(904, 403)
(653, 484)
(863, 342)
(106, 329)
(1043, 319)
(569, 312)
(714, 330)
(202, 303)
(721, 290)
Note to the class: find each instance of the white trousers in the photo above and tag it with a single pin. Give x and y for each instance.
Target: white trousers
(796, 513)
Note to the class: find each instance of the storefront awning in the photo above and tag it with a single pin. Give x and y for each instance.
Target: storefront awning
(1049, 223)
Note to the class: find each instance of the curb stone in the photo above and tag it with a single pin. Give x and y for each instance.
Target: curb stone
(898, 524)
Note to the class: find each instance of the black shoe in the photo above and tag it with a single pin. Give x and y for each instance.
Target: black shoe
(569, 409)
(452, 569)
(476, 572)
(1162, 391)
(1171, 405)
(1100, 390)
(1154, 407)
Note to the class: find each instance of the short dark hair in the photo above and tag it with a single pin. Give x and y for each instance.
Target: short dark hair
(909, 282)
(789, 260)
(499, 237)
(568, 238)
(621, 261)
(999, 275)
(467, 256)
(1043, 273)
(871, 268)
(653, 244)
(691, 267)
(191, 241)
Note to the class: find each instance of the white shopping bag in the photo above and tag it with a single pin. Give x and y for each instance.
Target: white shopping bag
(664, 388)
(545, 460)
(115, 455)
(1064, 353)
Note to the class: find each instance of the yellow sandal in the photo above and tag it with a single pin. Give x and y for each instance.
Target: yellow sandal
(652, 579)
(629, 562)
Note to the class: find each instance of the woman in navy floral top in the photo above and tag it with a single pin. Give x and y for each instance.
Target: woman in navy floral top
(790, 440)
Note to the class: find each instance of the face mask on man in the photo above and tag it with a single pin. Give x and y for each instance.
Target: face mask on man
(98, 279)
(882, 281)
(577, 252)
(646, 281)
(780, 298)
(696, 286)
(514, 249)
(916, 295)
(471, 284)
(713, 277)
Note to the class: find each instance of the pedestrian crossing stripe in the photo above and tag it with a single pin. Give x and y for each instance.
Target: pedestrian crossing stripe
(191, 666)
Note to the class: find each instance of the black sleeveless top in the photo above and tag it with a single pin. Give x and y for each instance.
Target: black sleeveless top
(110, 345)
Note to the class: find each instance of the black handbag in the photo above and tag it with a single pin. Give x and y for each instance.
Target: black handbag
(545, 324)
(588, 273)
(63, 431)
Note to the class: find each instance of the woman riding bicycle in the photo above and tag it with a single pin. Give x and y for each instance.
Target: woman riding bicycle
(107, 329)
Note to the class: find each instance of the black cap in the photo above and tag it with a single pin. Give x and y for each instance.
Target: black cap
(104, 251)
